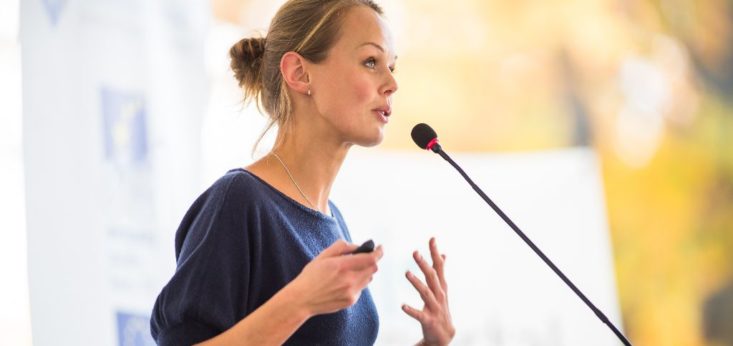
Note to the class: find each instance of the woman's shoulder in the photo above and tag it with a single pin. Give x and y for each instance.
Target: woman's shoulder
(237, 183)
(233, 195)
(236, 189)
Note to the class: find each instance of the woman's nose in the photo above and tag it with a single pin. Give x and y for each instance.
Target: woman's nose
(391, 86)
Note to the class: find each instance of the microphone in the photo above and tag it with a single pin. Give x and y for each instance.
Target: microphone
(426, 138)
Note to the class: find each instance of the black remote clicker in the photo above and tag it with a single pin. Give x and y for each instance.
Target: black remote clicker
(367, 247)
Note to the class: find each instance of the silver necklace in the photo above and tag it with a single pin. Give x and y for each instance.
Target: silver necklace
(293, 180)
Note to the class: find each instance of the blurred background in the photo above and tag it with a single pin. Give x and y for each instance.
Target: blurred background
(647, 84)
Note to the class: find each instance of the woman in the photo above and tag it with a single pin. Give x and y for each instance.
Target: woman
(263, 256)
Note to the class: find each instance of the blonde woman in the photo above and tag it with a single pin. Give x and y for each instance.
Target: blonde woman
(263, 256)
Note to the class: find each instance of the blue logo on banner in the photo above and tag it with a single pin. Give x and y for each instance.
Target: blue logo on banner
(133, 330)
(53, 9)
(125, 129)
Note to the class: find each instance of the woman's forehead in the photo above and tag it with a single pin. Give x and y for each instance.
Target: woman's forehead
(364, 27)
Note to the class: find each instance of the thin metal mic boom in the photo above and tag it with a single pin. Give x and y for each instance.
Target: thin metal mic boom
(544, 258)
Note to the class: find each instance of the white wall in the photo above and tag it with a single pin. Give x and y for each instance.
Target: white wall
(15, 324)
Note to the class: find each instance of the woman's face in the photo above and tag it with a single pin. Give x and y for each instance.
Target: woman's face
(353, 87)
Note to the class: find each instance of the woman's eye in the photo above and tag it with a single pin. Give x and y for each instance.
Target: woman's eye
(370, 63)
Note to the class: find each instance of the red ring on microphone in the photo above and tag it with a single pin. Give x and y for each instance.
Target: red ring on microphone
(432, 143)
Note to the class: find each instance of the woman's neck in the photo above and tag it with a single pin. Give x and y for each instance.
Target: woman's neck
(309, 166)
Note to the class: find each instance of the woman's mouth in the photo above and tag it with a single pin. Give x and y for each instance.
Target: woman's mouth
(383, 114)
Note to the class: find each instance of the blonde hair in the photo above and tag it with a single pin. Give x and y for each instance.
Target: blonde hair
(307, 27)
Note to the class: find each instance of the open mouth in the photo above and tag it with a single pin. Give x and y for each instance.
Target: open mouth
(383, 114)
(384, 111)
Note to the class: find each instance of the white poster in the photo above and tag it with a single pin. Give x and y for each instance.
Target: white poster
(113, 96)
(500, 292)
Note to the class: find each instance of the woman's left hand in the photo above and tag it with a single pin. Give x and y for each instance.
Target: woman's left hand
(437, 327)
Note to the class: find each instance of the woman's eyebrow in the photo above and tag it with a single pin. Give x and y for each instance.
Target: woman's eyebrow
(371, 44)
(375, 45)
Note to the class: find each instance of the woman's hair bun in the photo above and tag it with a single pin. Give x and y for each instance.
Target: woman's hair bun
(246, 62)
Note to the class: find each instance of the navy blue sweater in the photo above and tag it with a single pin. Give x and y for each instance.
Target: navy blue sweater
(239, 243)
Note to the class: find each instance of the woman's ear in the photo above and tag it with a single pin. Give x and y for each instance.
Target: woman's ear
(293, 69)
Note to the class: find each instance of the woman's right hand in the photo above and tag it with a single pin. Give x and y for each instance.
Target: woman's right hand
(334, 279)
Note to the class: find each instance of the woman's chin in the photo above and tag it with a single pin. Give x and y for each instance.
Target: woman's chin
(371, 141)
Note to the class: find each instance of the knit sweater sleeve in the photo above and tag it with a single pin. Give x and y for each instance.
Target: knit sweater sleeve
(213, 255)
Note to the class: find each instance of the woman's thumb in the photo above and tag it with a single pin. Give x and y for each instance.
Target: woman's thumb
(338, 248)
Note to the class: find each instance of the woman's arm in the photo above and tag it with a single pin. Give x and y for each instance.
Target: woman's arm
(330, 282)
(270, 324)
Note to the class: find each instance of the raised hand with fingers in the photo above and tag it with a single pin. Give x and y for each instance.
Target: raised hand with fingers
(434, 317)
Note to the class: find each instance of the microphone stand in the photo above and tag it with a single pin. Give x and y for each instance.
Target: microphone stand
(439, 150)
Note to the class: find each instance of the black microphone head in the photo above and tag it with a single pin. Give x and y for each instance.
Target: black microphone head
(425, 137)
(423, 134)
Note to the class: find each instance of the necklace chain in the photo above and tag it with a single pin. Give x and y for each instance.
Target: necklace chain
(293, 180)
